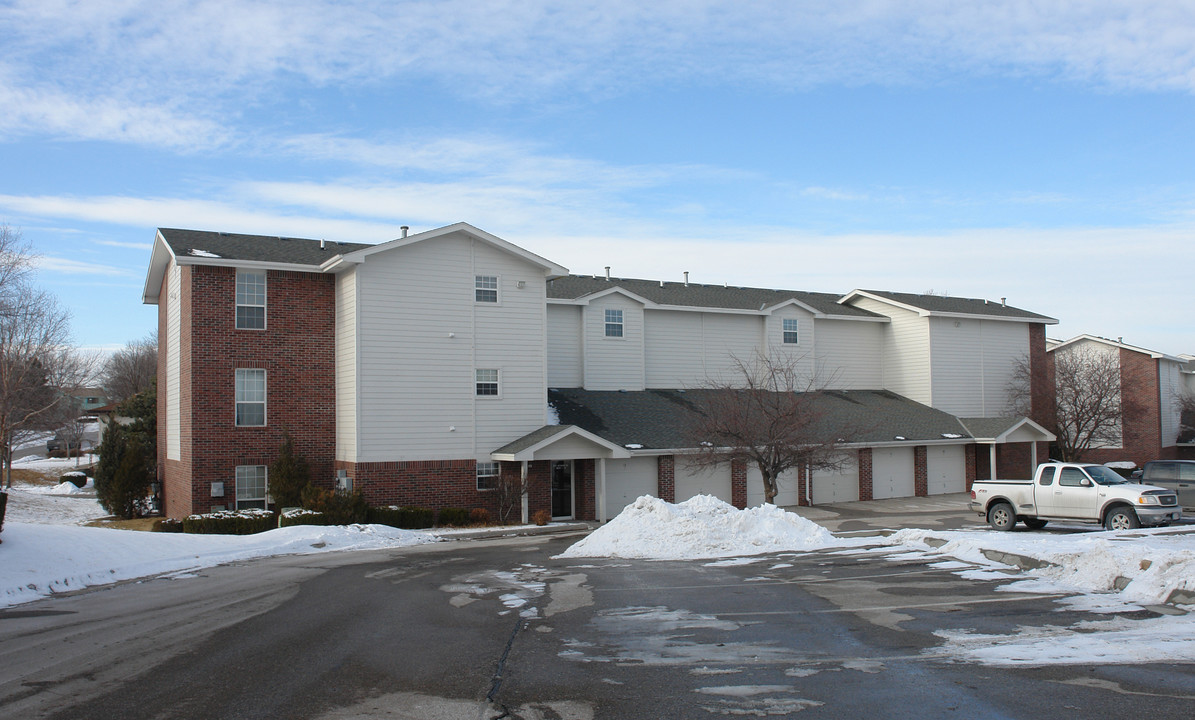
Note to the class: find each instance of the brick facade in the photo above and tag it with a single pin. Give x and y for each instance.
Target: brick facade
(969, 455)
(865, 488)
(666, 477)
(738, 484)
(921, 471)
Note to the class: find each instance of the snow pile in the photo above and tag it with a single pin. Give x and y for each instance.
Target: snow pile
(1145, 566)
(40, 560)
(69, 488)
(699, 528)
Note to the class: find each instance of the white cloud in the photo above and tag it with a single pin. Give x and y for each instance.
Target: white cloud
(78, 267)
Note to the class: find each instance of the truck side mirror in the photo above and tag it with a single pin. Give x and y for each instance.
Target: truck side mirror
(1085, 483)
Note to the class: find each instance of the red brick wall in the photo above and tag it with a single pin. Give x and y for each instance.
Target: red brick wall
(297, 352)
(1014, 461)
(584, 489)
(1042, 396)
(865, 489)
(920, 471)
(738, 484)
(969, 454)
(1141, 438)
(666, 478)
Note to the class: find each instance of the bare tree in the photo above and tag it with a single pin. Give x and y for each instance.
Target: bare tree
(510, 489)
(1091, 411)
(772, 414)
(131, 369)
(1186, 413)
(38, 368)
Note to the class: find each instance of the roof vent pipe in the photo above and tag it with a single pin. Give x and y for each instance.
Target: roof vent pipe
(404, 229)
(321, 244)
(607, 273)
(686, 278)
(1004, 302)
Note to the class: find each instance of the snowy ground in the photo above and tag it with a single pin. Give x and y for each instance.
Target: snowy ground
(1108, 574)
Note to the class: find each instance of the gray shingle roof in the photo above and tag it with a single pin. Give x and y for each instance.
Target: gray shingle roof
(252, 248)
(660, 419)
(969, 306)
(573, 287)
(533, 438)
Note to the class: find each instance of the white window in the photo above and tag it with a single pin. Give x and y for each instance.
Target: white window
(792, 331)
(487, 382)
(251, 300)
(251, 486)
(486, 288)
(487, 475)
(614, 323)
(250, 397)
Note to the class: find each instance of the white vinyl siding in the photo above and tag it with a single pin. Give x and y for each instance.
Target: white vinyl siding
(973, 362)
(945, 469)
(172, 296)
(421, 336)
(564, 346)
(728, 337)
(628, 480)
(693, 480)
(671, 341)
(906, 363)
(610, 363)
(850, 353)
(892, 473)
(346, 366)
(801, 353)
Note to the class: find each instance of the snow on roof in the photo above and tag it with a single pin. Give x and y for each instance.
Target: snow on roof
(202, 253)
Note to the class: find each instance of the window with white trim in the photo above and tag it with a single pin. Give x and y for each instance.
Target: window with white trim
(792, 331)
(487, 475)
(251, 300)
(485, 288)
(250, 397)
(487, 382)
(614, 323)
(251, 487)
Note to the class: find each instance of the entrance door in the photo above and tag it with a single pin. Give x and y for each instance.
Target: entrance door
(562, 489)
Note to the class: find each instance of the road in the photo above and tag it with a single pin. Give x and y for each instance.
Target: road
(498, 628)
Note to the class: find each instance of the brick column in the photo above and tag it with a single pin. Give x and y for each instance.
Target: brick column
(969, 452)
(865, 474)
(920, 471)
(666, 478)
(738, 484)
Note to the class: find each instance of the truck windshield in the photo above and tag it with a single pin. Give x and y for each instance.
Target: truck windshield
(1104, 476)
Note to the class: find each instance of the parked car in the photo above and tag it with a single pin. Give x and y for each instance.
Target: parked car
(84, 437)
(1175, 475)
(1075, 493)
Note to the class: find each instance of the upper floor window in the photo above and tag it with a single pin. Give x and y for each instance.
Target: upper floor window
(251, 300)
(792, 331)
(486, 288)
(487, 475)
(250, 397)
(487, 382)
(614, 323)
(251, 487)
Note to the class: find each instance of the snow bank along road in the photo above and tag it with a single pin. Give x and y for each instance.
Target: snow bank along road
(552, 627)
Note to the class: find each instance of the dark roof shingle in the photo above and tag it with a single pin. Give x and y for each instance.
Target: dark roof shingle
(253, 248)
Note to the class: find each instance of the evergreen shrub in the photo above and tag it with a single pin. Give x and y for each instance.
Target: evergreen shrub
(407, 518)
(231, 522)
(453, 517)
(169, 525)
(300, 516)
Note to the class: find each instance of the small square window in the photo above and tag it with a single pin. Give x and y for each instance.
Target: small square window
(614, 323)
(251, 487)
(251, 300)
(792, 331)
(486, 288)
(487, 383)
(487, 475)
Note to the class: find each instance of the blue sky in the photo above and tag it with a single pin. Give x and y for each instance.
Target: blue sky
(1041, 152)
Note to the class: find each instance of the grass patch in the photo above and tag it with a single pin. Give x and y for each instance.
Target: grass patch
(145, 524)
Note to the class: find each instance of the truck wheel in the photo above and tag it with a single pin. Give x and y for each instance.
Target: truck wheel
(1035, 523)
(1121, 518)
(1001, 516)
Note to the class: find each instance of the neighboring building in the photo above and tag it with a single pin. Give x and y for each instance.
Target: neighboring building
(425, 368)
(1155, 383)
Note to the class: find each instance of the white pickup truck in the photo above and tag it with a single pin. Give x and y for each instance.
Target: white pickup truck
(1073, 492)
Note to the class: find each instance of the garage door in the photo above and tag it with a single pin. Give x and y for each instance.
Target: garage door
(692, 480)
(946, 469)
(627, 480)
(891, 473)
(838, 486)
(786, 488)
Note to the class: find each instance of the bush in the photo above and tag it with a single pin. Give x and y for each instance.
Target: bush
(479, 516)
(290, 475)
(169, 525)
(407, 518)
(541, 517)
(122, 477)
(3, 504)
(231, 522)
(74, 476)
(298, 516)
(342, 508)
(453, 517)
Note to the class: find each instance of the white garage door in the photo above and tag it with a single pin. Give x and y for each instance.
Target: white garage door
(892, 473)
(838, 486)
(946, 469)
(692, 480)
(627, 480)
(786, 488)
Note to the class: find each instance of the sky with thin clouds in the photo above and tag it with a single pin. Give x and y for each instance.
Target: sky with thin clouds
(1039, 152)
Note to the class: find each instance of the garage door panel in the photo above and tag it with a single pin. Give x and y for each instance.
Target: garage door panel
(628, 480)
(786, 491)
(892, 473)
(946, 469)
(693, 480)
(836, 486)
